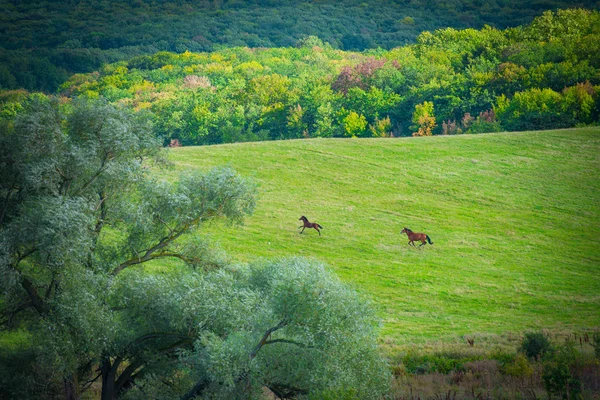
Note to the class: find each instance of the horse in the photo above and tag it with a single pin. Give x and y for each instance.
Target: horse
(309, 225)
(412, 236)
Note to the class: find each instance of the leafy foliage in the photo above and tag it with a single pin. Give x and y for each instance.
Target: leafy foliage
(42, 44)
(423, 119)
(105, 275)
(507, 80)
(535, 344)
(558, 376)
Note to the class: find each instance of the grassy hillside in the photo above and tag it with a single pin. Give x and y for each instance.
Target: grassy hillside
(514, 218)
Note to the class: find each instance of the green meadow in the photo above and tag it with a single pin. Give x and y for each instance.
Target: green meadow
(514, 217)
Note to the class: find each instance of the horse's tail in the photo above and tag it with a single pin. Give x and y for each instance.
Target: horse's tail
(428, 239)
(319, 226)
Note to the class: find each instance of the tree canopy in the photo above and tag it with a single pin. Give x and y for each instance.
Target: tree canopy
(43, 43)
(105, 276)
(542, 75)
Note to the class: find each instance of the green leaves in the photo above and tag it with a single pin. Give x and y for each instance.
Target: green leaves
(243, 94)
(296, 326)
(79, 206)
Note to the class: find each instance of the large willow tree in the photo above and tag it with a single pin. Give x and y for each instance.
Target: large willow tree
(107, 284)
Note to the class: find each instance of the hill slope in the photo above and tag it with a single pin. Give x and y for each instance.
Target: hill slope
(514, 218)
(42, 43)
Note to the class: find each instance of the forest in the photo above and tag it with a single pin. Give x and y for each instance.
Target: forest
(42, 43)
(538, 76)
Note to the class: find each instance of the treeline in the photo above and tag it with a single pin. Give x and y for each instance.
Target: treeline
(43, 43)
(539, 76)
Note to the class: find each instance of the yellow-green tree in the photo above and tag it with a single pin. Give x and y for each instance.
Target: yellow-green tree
(354, 124)
(423, 119)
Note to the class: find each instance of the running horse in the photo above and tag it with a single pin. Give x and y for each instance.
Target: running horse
(412, 236)
(308, 224)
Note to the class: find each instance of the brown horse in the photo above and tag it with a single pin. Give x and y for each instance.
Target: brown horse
(412, 236)
(309, 225)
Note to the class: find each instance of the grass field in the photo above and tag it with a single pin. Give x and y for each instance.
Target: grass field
(515, 218)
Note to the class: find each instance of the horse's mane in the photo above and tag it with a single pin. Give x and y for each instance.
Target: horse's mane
(408, 230)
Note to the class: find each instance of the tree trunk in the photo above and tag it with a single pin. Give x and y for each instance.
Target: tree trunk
(71, 387)
(108, 379)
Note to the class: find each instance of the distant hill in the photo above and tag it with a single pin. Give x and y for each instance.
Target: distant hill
(513, 217)
(542, 75)
(43, 43)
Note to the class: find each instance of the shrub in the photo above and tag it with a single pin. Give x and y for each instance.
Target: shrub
(381, 127)
(536, 109)
(466, 121)
(557, 376)
(596, 343)
(423, 119)
(354, 124)
(450, 128)
(535, 344)
(519, 368)
(435, 363)
(486, 122)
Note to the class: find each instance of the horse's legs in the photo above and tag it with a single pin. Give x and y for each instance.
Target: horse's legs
(318, 230)
(303, 228)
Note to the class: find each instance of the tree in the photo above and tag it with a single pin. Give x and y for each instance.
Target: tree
(304, 333)
(105, 277)
(79, 209)
(354, 124)
(537, 109)
(423, 119)
(381, 127)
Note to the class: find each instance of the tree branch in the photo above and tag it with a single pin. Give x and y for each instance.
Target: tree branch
(89, 383)
(188, 260)
(7, 199)
(8, 316)
(102, 216)
(155, 335)
(198, 388)
(164, 242)
(36, 300)
(284, 391)
(126, 374)
(263, 341)
(287, 341)
(103, 167)
(21, 257)
(275, 388)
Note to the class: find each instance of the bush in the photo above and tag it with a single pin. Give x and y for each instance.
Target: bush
(538, 109)
(557, 373)
(435, 363)
(485, 123)
(596, 344)
(519, 368)
(535, 344)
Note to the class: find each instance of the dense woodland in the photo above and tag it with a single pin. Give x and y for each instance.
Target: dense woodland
(537, 76)
(42, 43)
